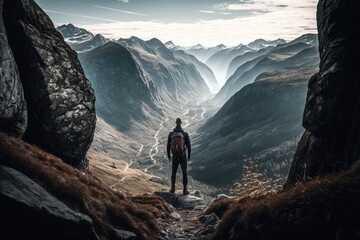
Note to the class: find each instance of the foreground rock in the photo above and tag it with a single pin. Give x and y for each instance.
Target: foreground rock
(23, 201)
(60, 99)
(179, 201)
(332, 112)
(13, 115)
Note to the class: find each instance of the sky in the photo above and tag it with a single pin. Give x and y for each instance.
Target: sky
(188, 22)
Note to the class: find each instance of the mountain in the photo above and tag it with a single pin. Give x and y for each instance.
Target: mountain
(175, 78)
(322, 192)
(300, 52)
(205, 72)
(139, 86)
(219, 61)
(202, 53)
(242, 59)
(262, 121)
(123, 93)
(80, 39)
(262, 43)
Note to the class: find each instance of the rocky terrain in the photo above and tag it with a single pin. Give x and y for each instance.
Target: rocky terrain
(330, 142)
(59, 99)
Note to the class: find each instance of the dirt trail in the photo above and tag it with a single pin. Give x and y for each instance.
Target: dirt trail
(188, 227)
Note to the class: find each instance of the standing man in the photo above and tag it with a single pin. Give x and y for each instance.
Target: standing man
(178, 142)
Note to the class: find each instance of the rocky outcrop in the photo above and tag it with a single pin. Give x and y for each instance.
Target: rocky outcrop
(332, 111)
(13, 115)
(59, 98)
(30, 212)
(179, 201)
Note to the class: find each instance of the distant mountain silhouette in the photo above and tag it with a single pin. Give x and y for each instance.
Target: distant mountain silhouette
(202, 53)
(300, 52)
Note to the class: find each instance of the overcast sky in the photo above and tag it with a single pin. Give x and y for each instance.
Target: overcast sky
(188, 22)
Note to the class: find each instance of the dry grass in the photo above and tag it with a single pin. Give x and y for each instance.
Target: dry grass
(108, 209)
(325, 208)
(122, 178)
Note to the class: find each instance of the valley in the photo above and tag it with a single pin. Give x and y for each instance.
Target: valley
(239, 104)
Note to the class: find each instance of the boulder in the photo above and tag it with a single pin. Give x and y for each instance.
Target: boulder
(59, 97)
(332, 112)
(13, 112)
(123, 235)
(211, 219)
(30, 212)
(179, 201)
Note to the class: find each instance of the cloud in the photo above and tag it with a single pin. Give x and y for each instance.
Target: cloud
(205, 11)
(288, 25)
(118, 10)
(213, 12)
(265, 5)
(124, 1)
(81, 16)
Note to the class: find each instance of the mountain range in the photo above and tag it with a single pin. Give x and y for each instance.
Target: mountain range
(140, 84)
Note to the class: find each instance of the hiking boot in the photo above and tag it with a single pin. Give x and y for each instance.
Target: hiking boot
(185, 192)
(172, 189)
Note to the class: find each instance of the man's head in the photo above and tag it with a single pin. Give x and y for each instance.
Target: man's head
(178, 121)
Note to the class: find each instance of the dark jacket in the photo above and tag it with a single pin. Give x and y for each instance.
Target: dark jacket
(187, 141)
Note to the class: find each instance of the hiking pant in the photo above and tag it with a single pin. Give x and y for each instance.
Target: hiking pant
(175, 164)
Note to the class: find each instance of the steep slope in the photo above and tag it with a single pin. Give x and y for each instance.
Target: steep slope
(261, 121)
(205, 72)
(108, 212)
(331, 117)
(80, 39)
(123, 93)
(300, 52)
(59, 97)
(219, 62)
(174, 78)
(325, 208)
(240, 60)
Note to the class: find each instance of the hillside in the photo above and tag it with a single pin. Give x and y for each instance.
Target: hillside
(325, 208)
(301, 52)
(263, 121)
(108, 211)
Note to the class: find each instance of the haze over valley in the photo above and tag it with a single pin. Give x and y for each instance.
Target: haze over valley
(234, 101)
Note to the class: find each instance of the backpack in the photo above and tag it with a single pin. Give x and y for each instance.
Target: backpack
(177, 145)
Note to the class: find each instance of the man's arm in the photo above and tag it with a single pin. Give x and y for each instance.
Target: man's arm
(168, 146)
(188, 144)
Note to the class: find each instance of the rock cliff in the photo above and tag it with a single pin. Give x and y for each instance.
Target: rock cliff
(332, 112)
(59, 98)
(13, 114)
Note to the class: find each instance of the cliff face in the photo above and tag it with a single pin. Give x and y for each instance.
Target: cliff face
(332, 112)
(59, 98)
(13, 115)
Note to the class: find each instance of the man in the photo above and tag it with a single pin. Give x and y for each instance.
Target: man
(178, 142)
